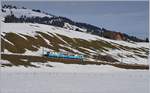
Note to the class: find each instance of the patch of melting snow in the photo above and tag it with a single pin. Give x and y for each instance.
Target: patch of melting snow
(4, 62)
(19, 34)
(9, 42)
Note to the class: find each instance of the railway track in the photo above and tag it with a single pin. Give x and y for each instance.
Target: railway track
(16, 59)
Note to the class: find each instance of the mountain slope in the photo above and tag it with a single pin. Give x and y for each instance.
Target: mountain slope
(13, 14)
(29, 39)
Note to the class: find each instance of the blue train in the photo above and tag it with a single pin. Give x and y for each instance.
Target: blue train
(62, 55)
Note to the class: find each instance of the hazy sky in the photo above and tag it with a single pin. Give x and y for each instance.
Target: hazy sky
(129, 17)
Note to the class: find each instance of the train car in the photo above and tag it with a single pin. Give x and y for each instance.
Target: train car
(63, 55)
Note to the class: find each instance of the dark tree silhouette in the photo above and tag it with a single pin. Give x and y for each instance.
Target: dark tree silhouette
(147, 40)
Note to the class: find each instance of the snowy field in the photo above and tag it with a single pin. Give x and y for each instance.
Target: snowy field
(74, 82)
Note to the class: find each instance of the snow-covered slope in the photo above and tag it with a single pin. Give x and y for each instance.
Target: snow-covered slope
(28, 13)
(23, 12)
(73, 27)
(30, 29)
(65, 40)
